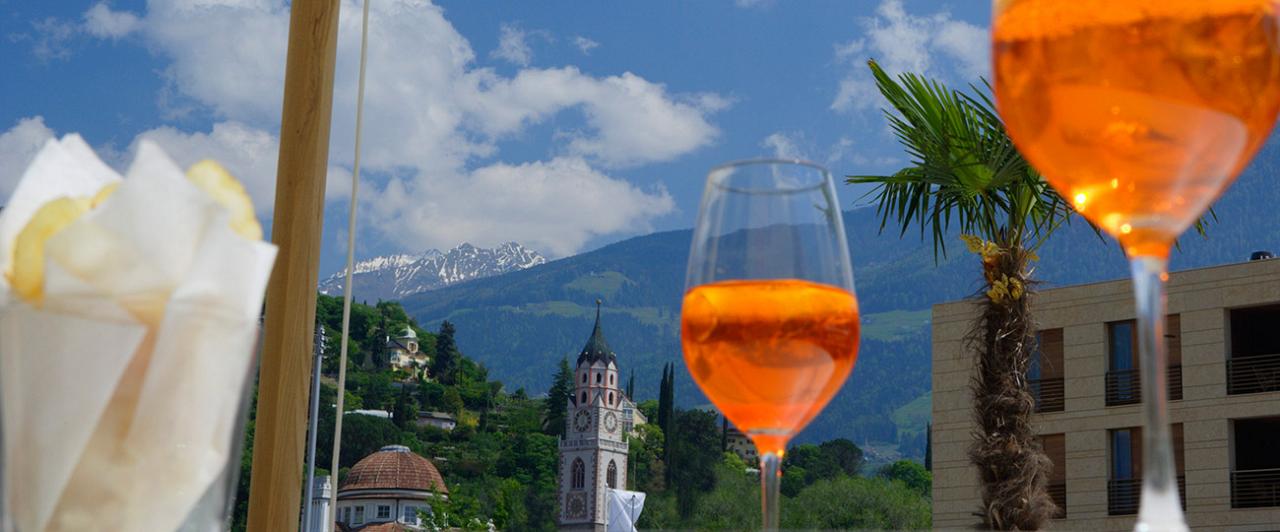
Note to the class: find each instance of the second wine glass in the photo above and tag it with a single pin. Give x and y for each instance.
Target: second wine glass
(770, 322)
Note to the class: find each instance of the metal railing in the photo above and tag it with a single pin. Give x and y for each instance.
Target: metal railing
(1049, 394)
(1123, 495)
(1058, 492)
(1253, 374)
(1124, 387)
(1255, 488)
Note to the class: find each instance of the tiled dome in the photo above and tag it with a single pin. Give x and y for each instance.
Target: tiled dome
(394, 467)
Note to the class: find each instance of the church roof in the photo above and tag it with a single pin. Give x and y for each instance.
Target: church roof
(597, 350)
(393, 467)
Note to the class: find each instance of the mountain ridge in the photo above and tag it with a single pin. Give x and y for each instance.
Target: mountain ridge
(397, 276)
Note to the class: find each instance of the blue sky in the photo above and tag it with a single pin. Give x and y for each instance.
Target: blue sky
(561, 125)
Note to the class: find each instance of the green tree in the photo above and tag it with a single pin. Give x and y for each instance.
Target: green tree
(452, 401)
(405, 411)
(431, 394)
(693, 451)
(964, 168)
(928, 448)
(645, 459)
(856, 503)
(445, 364)
(914, 475)
(557, 403)
(816, 464)
(377, 391)
(846, 455)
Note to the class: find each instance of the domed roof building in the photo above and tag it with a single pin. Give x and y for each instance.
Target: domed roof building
(385, 491)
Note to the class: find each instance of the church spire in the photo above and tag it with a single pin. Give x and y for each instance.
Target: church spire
(597, 350)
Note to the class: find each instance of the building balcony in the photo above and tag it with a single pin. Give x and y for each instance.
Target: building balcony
(1124, 387)
(1255, 488)
(1253, 374)
(1123, 495)
(1048, 394)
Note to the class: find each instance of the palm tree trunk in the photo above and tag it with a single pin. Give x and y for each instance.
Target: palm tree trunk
(1012, 466)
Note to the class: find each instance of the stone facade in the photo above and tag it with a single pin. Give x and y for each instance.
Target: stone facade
(1204, 301)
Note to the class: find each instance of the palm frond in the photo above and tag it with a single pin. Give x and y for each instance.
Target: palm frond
(964, 169)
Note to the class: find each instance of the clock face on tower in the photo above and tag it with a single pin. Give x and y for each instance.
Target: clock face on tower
(582, 421)
(610, 422)
(577, 505)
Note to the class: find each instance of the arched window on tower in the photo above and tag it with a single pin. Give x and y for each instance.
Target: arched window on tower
(584, 377)
(610, 380)
(580, 473)
(598, 378)
(612, 477)
(584, 398)
(610, 398)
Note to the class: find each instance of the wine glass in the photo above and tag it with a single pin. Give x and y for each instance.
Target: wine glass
(1140, 113)
(770, 321)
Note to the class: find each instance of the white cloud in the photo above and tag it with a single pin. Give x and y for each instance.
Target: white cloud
(967, 43)
(51, 39)
(584, 44)
(101, 21)
(554, 206)
(513, 46)
(785, 145)
(18, 146)
(434, 122)
(905, 42)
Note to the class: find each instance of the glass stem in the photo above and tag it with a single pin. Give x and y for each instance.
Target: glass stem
(1160, 508)
(770, 477)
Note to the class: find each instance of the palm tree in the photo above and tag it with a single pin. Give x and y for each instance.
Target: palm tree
(965, 173)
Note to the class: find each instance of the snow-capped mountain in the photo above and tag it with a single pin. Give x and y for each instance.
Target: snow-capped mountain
(396, 276)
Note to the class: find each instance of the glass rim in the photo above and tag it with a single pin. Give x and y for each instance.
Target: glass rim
(768, 161)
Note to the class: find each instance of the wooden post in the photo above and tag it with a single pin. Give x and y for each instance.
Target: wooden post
(276, 486)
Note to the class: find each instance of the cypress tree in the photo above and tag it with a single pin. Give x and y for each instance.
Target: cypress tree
(724, 434)
(928, 448)
(631, 386)
(558, 399)
(662, 400)
(444, 365)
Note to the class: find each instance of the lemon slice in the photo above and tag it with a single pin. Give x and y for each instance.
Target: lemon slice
(27, 276)
(214, 180)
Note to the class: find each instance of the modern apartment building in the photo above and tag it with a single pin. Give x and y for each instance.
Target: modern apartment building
(1224, 383)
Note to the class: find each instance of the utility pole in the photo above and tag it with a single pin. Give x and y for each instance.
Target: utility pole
(314, 416)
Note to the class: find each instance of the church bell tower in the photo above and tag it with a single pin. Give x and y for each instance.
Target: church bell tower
(593, 452)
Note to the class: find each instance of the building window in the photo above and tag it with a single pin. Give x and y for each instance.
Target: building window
(612, 476)
(1254, 362)
(1124, 486)
(1123, 382)
(610, 398)
(384, 511)
(610, 379)
(346, 515)
(584, 377)
(584, 398)
(1055, 447)
(579, 474)
(599, 378)
(1122, 363)
(1255, 471)
(410, 515)
(1045, 371)
(359, 516)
